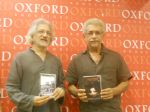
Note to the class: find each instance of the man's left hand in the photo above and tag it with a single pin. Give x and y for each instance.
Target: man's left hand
(58, 93)
(107, 93)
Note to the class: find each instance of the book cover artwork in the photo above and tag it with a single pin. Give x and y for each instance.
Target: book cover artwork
(47, 84)
(93, 86)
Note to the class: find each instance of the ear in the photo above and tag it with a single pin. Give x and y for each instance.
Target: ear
(85, 39)
(84, 35)
(103, 35)
(31, 41)
(28, 40)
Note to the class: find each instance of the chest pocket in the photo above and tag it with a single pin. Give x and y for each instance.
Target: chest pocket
(109, 76)
(110, 72)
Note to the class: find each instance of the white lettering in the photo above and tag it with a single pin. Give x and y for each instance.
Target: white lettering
(3, 93)
(137, 108)
(141, 75)
(18, 39)
(135, 14)
(44, 8)
(60, 41)
(6, 55)
(113, 27)
(136, 44)
(6, 22)
(74, 26)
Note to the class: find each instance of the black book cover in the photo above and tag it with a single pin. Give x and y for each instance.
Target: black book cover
(92, 85)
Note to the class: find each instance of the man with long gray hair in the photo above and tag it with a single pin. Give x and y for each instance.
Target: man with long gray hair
(24, 80)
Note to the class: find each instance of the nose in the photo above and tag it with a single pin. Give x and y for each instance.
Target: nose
(45, 33)
(93, 35)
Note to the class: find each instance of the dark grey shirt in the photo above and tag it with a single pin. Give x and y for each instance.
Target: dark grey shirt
(113, 71)
(24, 80)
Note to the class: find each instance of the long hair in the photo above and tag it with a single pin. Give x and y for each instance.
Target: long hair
(33, 28)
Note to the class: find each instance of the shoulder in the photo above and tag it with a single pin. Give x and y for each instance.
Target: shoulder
(78, 56)
(112, 52)
(23, 54)
(112, 55)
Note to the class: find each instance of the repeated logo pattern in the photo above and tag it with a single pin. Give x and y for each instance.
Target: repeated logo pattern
(128, 32)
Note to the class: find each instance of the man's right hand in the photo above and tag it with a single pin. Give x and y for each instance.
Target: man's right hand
(82, 95)
(40, 100)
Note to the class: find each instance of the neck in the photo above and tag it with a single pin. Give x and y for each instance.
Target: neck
(41, 50)
(95, 55)
(95, 50)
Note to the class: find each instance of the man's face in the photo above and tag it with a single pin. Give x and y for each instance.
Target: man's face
(43, 36)
(93, 36)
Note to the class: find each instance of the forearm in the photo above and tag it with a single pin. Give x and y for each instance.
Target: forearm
(120, 88)
(73, 90)
(21, 99)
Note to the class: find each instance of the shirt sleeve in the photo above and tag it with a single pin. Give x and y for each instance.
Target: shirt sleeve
(123, 71)
(13, 86)
(71, 77)
(60, 76)
(60, 82)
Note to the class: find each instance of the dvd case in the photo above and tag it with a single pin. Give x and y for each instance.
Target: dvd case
(92, 85)
(47, 84)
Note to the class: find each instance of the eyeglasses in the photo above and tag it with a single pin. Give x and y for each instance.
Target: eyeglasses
(42, 32)
(96, 33)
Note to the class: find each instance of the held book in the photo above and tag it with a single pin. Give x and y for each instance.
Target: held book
(92, 85)
(47, 84)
